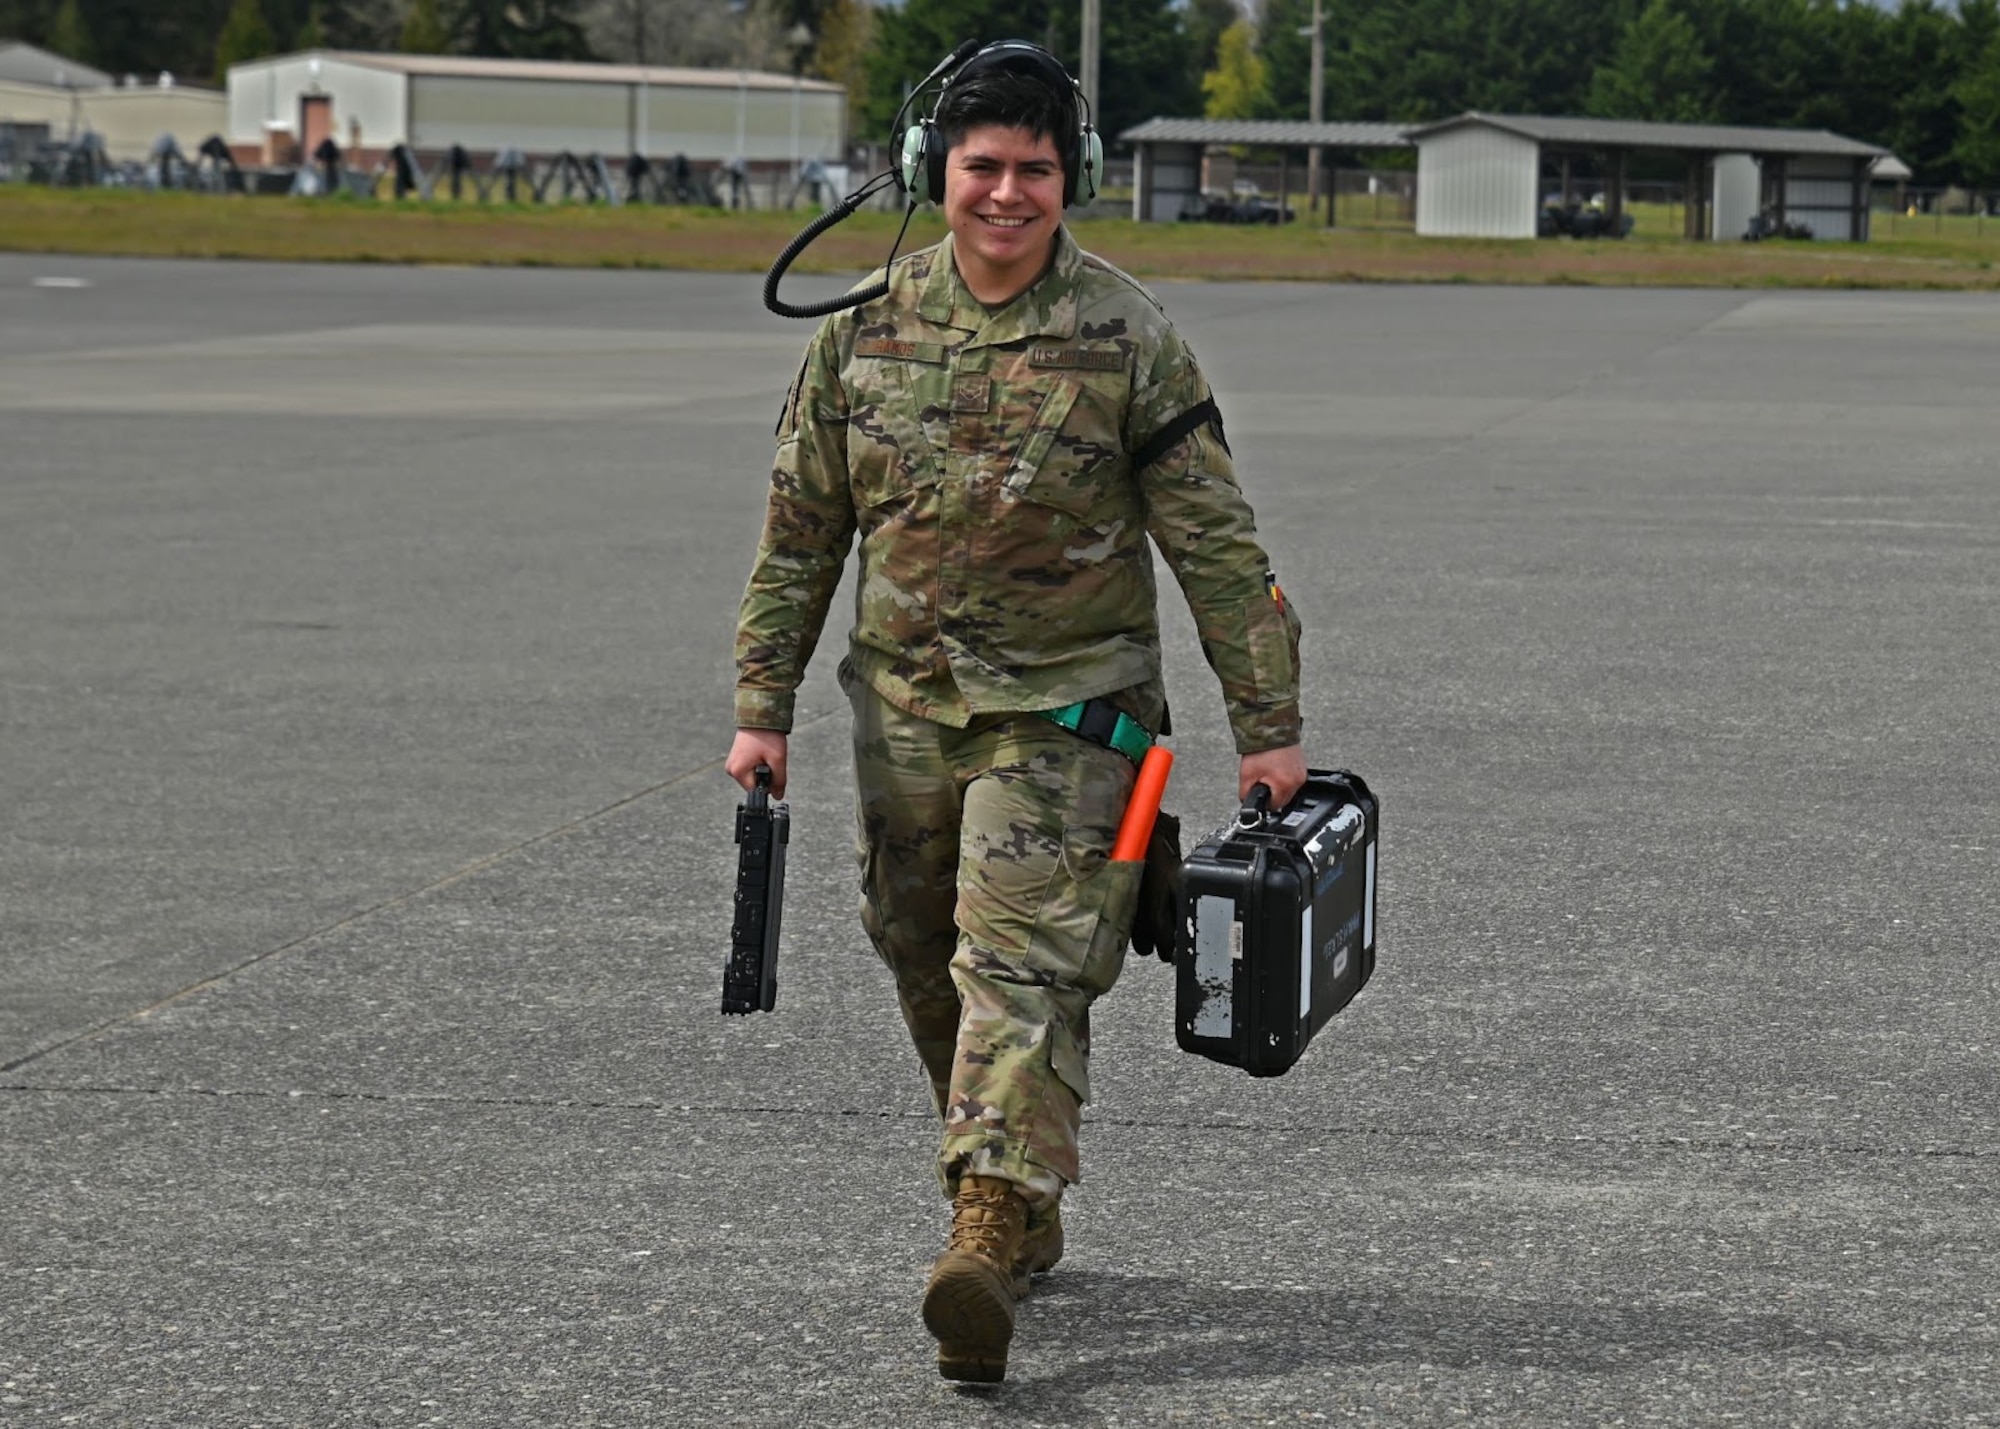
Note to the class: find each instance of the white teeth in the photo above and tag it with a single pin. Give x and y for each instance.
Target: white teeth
(1006, 222)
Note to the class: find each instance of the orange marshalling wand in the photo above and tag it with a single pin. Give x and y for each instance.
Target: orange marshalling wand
(1136, 831)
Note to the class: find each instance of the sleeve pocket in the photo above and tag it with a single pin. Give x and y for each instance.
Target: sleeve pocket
(1273, 666)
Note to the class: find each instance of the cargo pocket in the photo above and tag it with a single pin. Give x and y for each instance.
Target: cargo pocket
(888, 456)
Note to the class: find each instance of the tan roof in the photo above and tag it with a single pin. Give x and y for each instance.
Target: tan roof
(1636, 134)
(572, 71)
(1278, 133)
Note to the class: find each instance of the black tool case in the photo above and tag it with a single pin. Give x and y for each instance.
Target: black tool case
(763, 829)
(1277, 924)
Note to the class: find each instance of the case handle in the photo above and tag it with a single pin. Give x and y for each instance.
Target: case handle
(1255, 808)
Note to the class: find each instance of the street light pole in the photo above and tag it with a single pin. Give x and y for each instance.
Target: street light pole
(1092, 23)
(1318, 104)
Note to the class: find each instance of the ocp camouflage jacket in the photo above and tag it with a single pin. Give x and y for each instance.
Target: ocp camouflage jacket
(986, 459)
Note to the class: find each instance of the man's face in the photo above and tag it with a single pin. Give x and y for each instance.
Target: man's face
(1003, 201)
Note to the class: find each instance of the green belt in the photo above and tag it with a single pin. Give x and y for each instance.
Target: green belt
(1101, 722)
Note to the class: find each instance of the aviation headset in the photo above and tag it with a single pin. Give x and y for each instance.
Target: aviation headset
(920, 170)
(923, 150)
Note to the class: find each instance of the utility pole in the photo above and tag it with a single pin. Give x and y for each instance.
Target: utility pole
(1318, 33)
(1093, 18)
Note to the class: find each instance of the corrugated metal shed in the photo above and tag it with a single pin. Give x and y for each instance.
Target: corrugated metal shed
(1810, 177)
(1481, 174)
(1477, 181)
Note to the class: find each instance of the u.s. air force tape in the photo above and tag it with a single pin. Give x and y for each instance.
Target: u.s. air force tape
(1089, 359)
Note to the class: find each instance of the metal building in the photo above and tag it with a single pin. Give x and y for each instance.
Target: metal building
(286, 104)
(1484, 175)
(129, 118)
(1477, 180)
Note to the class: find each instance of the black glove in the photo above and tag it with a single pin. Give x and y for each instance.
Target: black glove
(1156, 923)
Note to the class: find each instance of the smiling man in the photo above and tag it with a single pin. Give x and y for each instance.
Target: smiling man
(1004, 429)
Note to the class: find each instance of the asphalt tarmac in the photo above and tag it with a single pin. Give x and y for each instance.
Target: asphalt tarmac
(365, 864)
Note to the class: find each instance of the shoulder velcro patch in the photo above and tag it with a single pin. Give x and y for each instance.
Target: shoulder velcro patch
(1090, 359)
(901, 351)
(1172, 434)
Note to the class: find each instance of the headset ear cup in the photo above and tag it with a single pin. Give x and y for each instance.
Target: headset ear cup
(911, 166)
(1090, 163)
(934, 157)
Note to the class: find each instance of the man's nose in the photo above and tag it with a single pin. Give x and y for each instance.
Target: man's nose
(1008, 187)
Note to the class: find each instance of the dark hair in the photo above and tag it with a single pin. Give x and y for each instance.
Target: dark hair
(1011, 91)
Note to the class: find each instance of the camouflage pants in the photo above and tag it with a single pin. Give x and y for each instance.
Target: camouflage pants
(988, 891)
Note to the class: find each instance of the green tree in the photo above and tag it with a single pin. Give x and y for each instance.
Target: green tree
(522, 29)
(1287, 58)
(1144, 68)
(246, 35)
(1235, 87)
(1924, 123)
(1659, 72)
(1423, 59)
(1205, 21)
(424, 30)
(312, 34)
(1977, 150)
(847, 33)
(69, 36)
(360, 24)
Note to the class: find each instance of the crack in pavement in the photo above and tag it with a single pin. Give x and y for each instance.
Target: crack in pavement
(395, 901)
(1358, 1130)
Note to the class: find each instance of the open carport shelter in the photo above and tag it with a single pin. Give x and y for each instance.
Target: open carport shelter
(1483, 175)
(1166, 153)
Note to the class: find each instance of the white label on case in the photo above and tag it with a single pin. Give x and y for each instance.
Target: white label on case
(1336, 834)
(1218, 940)
(1368, 904)
(1306, 951)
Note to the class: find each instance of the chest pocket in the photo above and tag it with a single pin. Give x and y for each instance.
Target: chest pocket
(1069, 458)
(888, 455)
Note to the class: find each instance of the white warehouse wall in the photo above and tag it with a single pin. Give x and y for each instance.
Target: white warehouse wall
(263, 91)
(486, 113)
(780, 123)
(1475, 181)
(541, 116)
(129, 121)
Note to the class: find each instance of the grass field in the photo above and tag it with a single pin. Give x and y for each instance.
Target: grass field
(1920, 254)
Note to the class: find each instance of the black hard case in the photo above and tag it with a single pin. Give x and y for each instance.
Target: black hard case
(763, 829)
(1277, 925)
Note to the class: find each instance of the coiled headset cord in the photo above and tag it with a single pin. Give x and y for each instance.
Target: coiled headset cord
(843, 210)
(846, 208)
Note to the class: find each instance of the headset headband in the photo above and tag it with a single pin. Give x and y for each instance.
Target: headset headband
(1081, 150)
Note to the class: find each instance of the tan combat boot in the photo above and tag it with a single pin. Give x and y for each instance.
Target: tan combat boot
(969, 1302)
(1041, 1248)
